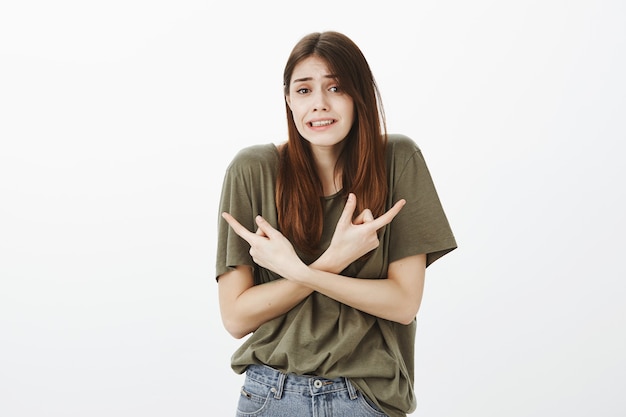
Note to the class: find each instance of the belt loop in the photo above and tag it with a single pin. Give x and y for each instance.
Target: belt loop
(281, 384)
(351, 390)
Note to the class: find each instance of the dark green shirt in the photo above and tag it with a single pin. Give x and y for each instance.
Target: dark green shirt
(321, 336)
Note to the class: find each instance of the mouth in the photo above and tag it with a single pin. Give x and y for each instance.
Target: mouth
(321, 123)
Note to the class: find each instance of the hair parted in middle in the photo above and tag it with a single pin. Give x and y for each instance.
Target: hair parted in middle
(362, 161)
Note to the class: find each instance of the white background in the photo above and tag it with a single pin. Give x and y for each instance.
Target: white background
(118, 118)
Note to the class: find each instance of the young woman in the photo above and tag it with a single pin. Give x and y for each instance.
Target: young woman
(323, 243)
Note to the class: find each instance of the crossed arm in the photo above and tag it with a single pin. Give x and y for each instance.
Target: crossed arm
(245, 306)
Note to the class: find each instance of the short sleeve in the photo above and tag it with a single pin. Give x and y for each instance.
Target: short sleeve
(247, 191)
(422, 225)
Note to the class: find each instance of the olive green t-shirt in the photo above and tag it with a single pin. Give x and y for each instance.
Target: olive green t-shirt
(321, 336)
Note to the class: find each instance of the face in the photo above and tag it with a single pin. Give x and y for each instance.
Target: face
(322, 112)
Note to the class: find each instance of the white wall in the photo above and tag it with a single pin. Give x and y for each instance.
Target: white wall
(118, 118)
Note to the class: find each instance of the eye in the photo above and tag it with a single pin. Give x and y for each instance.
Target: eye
(335, 89)
(302, 90)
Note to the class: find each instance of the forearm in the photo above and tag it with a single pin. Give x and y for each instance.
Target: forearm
(329, 263)
(248, 308)
(396, 298)
(261, 303)
(378, 297)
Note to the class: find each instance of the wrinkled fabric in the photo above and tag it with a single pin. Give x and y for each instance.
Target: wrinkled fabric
(321, 336)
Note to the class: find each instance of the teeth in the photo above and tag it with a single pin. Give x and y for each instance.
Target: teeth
(321, 123)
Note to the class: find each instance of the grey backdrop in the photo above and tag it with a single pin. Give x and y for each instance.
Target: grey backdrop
(118, 118)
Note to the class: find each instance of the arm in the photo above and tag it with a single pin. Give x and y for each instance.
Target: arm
(245, 306)
(397, 298)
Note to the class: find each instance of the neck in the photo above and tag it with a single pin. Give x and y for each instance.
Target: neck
(325, 163)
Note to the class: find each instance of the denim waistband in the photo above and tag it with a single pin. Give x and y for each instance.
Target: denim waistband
(304, 384)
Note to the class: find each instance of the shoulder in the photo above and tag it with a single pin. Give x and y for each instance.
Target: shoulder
(401, 147)
(257, 153)
(255, 157)
(404, 157)
(401, 143)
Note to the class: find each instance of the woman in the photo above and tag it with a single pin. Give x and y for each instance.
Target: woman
(323, 245)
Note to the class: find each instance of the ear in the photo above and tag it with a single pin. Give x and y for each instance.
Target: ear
(288, 101)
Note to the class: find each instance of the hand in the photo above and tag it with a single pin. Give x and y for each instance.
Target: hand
(268, 247)
(354, 238)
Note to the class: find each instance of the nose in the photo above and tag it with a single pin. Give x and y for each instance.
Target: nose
(320, 102)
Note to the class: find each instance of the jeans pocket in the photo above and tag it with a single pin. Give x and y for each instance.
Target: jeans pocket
(369, 407)
(254, 399)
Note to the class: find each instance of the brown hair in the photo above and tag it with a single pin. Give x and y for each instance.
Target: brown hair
(362, 161)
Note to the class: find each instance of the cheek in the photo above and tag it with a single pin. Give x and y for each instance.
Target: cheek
(297, 118)
(349, 112)
(347, 108)
(297, 114)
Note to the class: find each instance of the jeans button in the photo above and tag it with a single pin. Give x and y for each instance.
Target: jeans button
(317, 383)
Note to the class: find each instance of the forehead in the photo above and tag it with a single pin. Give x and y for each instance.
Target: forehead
(312, 67)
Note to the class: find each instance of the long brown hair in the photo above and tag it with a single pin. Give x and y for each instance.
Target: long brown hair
(362, 160)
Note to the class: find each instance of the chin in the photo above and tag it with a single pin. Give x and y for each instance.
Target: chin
(323, 139)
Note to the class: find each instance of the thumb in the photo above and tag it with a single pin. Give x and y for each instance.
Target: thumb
(264, 227)
(364, 217)
(367, 216)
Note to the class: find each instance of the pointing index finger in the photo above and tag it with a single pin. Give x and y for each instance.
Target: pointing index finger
(238, 227)
(388, 216)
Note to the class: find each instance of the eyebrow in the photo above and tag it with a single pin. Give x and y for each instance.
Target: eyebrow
(299, 80)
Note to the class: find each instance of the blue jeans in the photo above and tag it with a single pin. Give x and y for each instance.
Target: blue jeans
(269, 393)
